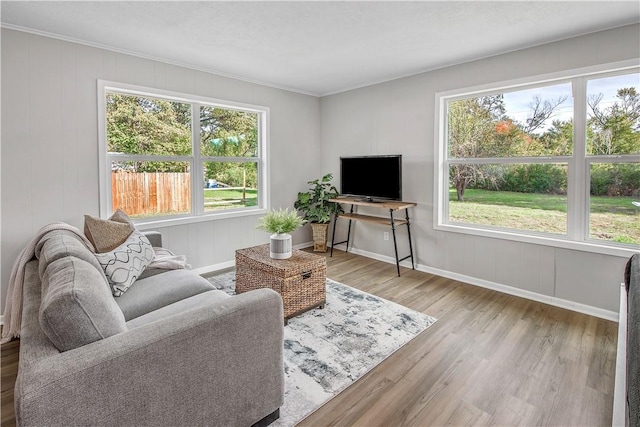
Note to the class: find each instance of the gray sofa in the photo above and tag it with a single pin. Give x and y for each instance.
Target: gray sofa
(171, 351)
(626, 395)
(632, 287)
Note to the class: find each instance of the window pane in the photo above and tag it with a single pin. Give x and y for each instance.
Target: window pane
(146, 189)
(614, 115)
(228, 133)
(230, 185)
(141, 125)
(612, 214)
(529, 197)
(528, 123)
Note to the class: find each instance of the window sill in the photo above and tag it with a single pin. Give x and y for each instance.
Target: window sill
(557, 242)
(150, 224)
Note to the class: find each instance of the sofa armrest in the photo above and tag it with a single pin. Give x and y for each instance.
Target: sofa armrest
(217, 365)
(155, 238)
(620, 384)
(632, 372)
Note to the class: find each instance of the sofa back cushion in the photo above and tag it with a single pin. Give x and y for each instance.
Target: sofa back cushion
(59, 244)
(77, 307)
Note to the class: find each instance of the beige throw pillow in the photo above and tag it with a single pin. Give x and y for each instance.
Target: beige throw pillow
(108, 234)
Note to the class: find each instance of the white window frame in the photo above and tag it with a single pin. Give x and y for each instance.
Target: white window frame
(578, 181)
(196, 159)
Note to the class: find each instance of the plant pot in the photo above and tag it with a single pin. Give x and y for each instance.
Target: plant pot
(280, 246)
(320, 233)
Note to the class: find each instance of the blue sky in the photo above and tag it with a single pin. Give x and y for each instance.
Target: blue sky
(518, 103)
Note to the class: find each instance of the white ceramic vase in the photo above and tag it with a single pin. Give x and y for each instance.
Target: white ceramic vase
(280, 246)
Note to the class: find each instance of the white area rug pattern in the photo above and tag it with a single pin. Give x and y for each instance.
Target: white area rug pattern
(326, 350)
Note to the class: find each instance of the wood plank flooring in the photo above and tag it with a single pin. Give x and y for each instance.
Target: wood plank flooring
(490, 359)
(8, 372)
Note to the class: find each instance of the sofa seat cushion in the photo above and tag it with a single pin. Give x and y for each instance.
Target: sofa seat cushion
(160, 290)
(204, 299)
(77, 307)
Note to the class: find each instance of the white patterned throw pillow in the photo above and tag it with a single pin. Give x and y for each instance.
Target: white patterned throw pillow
(124, 264)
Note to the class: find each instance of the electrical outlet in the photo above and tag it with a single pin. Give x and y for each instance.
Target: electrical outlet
(386, 235)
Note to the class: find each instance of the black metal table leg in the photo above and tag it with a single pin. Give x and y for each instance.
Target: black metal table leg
(409, 235)
(346, 248)
(333, 235)
(395, 245)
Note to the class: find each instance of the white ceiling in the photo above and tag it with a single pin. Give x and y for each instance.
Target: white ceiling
(319, 47)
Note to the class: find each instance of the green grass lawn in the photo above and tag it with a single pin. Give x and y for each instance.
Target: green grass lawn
(216, 199)
(612, 218)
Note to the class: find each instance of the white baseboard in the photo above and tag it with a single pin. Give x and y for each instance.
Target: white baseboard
(230, 264)
(303, 245)
(546, 299)
(534, 296)
(214, 267)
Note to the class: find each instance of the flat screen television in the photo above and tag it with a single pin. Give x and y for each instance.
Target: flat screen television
(371, 178)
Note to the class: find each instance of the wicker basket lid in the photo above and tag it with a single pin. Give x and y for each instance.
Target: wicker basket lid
(300, 261)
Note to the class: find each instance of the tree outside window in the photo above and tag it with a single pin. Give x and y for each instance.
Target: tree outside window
(156, 167)
(510, 155)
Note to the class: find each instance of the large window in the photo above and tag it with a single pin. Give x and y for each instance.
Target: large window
(168, 155)
(557, 160)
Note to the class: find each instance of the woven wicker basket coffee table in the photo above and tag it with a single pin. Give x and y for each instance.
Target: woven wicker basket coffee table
(300, 280)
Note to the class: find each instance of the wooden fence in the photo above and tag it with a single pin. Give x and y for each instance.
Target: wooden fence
(148, 193)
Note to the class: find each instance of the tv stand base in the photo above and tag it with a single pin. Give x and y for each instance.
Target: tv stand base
(391, 221)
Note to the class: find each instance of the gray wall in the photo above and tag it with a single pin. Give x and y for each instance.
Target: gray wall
(50, 142)
(398, 117)
(49, 154)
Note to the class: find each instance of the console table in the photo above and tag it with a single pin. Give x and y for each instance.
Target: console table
(391, 206)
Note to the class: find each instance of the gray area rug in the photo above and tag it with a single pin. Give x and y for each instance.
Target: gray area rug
(326, 350)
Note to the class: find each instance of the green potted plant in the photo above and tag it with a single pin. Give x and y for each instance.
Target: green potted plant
(280, 223)
(317, 209)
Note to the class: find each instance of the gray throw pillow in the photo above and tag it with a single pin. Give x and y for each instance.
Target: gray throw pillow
(123, 265)
(77, 307)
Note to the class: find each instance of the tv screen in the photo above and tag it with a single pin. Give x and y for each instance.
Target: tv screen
(371, 177)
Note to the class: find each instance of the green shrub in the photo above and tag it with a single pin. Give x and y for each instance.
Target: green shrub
(615, 179)
(529, 178)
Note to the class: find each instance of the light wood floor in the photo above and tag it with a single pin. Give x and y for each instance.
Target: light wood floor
(8, 371)
(490, 359)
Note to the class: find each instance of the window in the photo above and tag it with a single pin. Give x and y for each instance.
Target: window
(613, 149)
(555, 160)
(171, 156)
